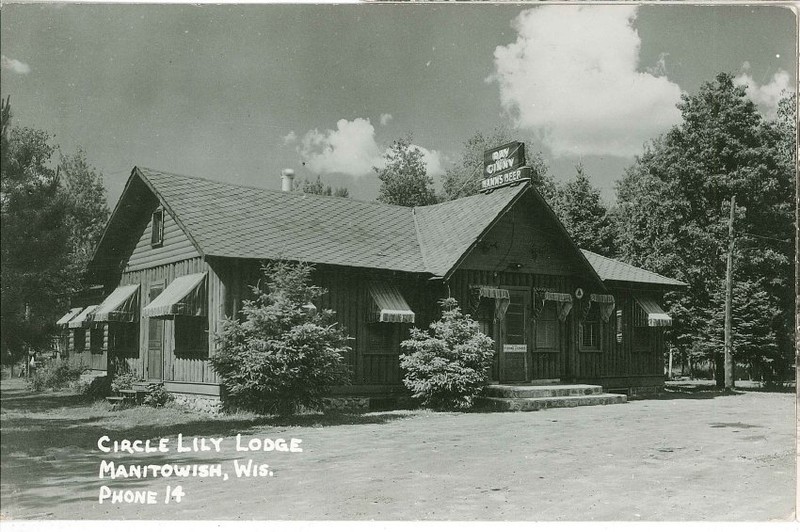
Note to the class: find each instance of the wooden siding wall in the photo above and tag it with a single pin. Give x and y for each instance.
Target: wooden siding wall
(189, 369)
(517, 239)
(176, 247)
(616, 364)
(347, 295)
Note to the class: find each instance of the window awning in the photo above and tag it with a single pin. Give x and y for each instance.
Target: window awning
(388, 305)
(83, 319)
(65, 319)
(185, 296)
(121, 305)
(605, 304)
(656, 317)
(491, 292)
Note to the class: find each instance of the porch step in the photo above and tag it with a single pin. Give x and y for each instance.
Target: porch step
(535, 391)
(527, 404)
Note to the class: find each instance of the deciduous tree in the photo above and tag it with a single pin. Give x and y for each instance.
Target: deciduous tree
(404, 178)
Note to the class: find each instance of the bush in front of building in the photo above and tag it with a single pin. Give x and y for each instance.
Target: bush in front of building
(157, 395)
(448, 366)
(54, 374)
(124, 380)
(282, 353)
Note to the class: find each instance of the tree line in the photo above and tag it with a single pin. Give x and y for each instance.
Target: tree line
(670, 216)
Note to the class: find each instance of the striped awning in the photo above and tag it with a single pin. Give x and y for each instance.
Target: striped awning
(605, 303)
(83, 319)
(656, 317)
(121, 305)
(185, 296)
(557, 296)
(65, 319)
(490, 292)
(388, 305)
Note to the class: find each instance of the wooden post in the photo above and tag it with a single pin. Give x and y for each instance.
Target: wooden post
(728, 302)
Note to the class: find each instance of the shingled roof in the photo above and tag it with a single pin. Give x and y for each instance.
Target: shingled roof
(237, 221)
(614, 270)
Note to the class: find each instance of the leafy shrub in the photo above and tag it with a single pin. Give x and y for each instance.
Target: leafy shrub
(124, 380)
(448, 366)
(157, 395)
(54, 374)
(97, 388)
(281, 356)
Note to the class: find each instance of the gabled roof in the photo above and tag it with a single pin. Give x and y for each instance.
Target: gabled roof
(228, 220)
(238, 221)
(614, 270)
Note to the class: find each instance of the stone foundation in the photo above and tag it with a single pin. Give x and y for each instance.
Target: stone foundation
(200, 403)
(345, 404)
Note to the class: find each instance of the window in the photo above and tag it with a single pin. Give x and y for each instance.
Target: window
(641, 338)
(547, 328)
(78, 340)
(97, 337)
(124, 337)
(191, 336)
(157, 234)
(382, 338)
(590, 331)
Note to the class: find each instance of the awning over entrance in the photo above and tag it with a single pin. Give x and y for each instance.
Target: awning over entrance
(656, 317)
(388, 305)
(185, 296)
(605, 303)
(83, 319)
(65, 319)
(121, 305)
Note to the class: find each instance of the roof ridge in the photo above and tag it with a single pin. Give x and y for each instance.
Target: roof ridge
(295, 193)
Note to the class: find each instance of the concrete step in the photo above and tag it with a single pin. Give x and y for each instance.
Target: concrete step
(556, 390)
(527, 404)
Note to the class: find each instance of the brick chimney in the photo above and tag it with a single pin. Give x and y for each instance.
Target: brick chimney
(287, 180)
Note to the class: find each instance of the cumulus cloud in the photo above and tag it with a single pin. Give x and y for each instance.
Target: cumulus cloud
(385, 117)
(14, 65)
(349, 149)
(766, 96)
(290, 138)
(352, 149)
(573, 78)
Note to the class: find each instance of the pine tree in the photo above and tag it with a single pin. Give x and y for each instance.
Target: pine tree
(281, 354)
(579, 207)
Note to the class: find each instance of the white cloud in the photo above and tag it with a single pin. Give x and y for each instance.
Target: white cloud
(434, 162)
(766, 96)
(353, 150)
(572, 77)
(290, 138)
(385, 117)
(349, 149)
(14, 65)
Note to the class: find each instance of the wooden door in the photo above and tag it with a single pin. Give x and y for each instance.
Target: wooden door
(155, 340)
(513, 344)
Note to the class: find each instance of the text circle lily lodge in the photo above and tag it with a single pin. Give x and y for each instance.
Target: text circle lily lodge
(179, 253)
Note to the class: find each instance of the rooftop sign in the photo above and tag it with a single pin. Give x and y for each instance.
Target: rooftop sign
(504, 165)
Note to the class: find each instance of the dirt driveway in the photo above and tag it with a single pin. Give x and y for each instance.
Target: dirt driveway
(693, 456)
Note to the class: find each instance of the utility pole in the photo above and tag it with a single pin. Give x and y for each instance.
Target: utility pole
(728, 302)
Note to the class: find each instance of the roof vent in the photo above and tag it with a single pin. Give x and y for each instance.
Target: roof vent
(287, 180)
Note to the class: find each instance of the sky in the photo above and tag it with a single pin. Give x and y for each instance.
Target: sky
(237, 93)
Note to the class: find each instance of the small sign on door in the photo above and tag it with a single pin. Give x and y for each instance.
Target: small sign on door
(515, 348)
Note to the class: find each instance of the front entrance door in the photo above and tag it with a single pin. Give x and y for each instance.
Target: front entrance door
(155, 341)
(513, 341)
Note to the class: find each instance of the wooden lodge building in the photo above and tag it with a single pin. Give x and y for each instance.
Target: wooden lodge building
(179, 253)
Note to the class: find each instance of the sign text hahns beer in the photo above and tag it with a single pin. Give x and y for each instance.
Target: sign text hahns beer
(504, 165)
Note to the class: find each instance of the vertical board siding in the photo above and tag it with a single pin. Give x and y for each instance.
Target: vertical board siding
(193, 370)
(176, 247)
